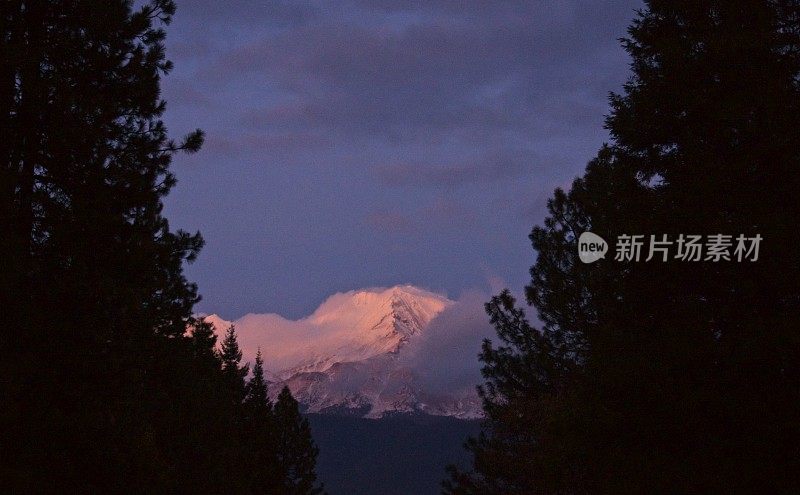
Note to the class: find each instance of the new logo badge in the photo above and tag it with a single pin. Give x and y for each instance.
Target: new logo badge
(591, 247)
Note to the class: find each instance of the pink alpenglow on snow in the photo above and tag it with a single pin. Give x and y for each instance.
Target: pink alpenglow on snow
(369, 352)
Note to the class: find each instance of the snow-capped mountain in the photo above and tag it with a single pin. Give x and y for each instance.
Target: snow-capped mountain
(351, 356)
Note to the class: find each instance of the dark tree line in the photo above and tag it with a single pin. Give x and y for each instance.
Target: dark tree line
(664, 377)
(280, 454)
(101, 388)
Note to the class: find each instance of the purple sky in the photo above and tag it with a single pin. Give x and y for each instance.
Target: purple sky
(370, 143)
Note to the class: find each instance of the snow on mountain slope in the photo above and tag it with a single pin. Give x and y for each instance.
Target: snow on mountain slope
(347, 357)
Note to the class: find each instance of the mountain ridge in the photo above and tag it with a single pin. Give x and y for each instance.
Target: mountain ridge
(349, 356)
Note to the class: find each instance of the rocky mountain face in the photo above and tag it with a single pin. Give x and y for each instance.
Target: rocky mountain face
(351, 356)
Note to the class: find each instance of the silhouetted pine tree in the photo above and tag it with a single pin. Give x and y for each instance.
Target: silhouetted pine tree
(231, 356)
(102, 388)
(256, 400)
(664, 377)
(295, 449)
(204, 343)
(260, 434)
(92, 278)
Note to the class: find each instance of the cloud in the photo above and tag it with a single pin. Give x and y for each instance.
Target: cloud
(280, 13)
(357, 142)
(487, 168)
(445, 357)
(440, 217)
(288, 341)
(442, 70)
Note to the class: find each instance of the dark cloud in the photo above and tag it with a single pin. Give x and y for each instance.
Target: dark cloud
(510, 69)
(371, 142)
(249, 13)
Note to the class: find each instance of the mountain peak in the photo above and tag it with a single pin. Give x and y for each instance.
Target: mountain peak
(370, 322)
(358, 308)
(345, 354)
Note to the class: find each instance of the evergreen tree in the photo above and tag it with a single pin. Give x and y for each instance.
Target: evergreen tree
(231, 356)
(102, 387)
(256, 400)
(204, 342)
(295, 449)
(92, 278)
(664, 377)
(260, 435)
